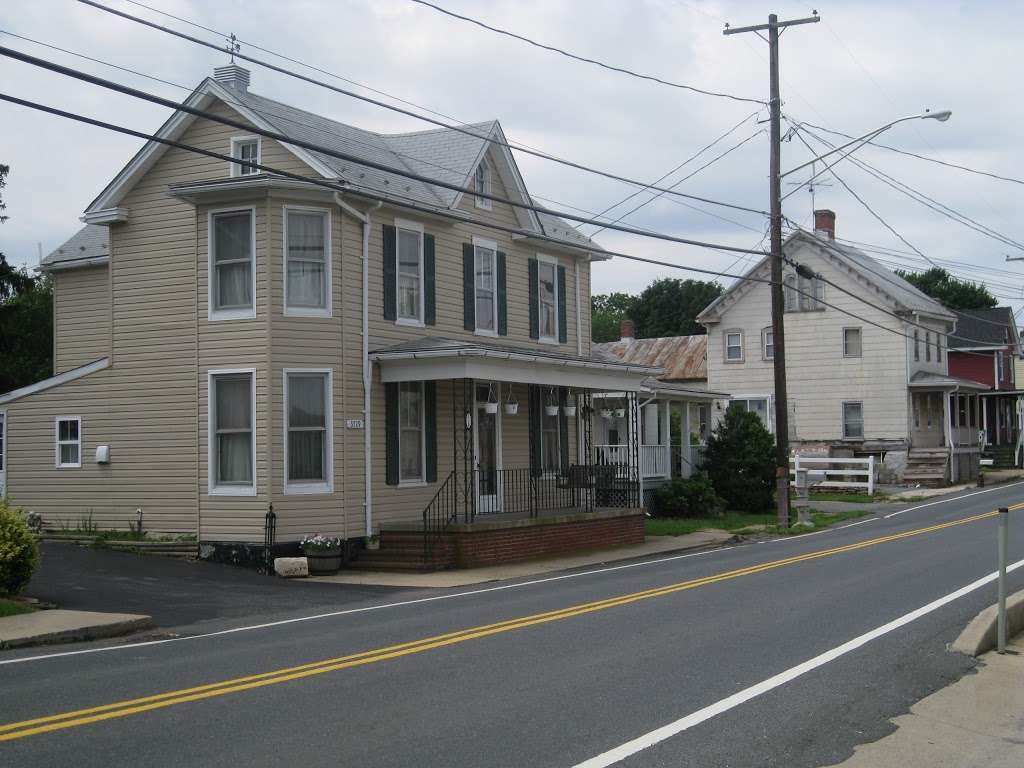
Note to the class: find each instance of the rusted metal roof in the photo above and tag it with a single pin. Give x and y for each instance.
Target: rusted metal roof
(684, 358)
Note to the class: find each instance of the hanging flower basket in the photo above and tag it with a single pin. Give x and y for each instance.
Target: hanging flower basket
(491, 406)
(569, 410)
(511, 408)
(606, 413)
(620, 413)
(551, 410)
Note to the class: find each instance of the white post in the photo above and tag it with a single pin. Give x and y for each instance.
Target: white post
(796, 468)
(685, 451)
(666, 438)
(871, 475)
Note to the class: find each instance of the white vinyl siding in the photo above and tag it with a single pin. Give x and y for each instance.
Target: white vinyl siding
(409, 254)
(307, 263)
(411, 445)
(853, 420)
(547, 300)
(232, 396)
(245, 148)
(68, 442)
(232, 264)
(485, 285)
(308, 443)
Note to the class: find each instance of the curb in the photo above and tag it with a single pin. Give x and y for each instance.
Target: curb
(979, 635)
(92, 626)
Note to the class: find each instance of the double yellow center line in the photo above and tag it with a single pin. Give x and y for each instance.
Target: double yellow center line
(73, 719)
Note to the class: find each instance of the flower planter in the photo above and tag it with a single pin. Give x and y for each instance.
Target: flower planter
(490, 407)
(569, 410)
(511, 408)
(323, 560)
(551, 410)
(606, 413)
(373, 543)
(620, 413)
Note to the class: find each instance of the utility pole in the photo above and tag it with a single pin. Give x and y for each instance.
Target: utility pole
(778, 300)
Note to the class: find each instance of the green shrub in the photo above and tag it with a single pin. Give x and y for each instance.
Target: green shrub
(19, 555)
(693, 497)
(740, 460)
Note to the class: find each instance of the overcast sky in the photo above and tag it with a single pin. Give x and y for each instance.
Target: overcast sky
(863, 65)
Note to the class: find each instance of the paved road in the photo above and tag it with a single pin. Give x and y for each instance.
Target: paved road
(553, 672)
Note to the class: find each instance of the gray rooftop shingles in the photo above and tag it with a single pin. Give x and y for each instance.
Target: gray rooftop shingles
(90, 242)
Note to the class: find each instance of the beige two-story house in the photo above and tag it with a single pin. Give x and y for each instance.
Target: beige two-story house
(866, 374)
(282, 328)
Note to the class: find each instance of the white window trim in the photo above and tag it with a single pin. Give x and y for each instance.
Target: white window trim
(764, 343)
(211, 436)
(418, 322)
(291, 488)
(236, 169)
(214, 315)
(326, 310)
(725, 345)
(483, 202)
(57, 442)
(544, 258)
(842, 418)
(413, 482)
(482, 242)
(846, 354)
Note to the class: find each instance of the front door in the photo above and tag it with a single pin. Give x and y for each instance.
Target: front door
(487, 441)
(927, 420)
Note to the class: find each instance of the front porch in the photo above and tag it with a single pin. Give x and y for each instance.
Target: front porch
(945, 430)
(1002, 426)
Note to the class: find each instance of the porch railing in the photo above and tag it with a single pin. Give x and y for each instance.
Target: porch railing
(523, 491)
(654, 459)
(442, 510)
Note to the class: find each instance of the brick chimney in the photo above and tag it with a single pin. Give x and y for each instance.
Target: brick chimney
(825, 223)
(233, 76)
(627, 332)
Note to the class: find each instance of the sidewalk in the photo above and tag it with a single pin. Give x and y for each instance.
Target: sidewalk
(654, 545)
(58, 626)
(978, 722)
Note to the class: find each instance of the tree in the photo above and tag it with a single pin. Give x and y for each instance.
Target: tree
(950, 291)
(669, 307)
(606, 313)
(26, 321)
(740, 460)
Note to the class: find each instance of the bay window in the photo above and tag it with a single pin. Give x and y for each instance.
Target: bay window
(307, 261)
(232, 446)
(232, 264)
(308, 442)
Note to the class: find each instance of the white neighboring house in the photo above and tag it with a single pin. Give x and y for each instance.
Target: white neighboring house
(868, 385)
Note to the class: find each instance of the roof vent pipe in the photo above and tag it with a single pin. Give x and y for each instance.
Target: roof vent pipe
(627, 331)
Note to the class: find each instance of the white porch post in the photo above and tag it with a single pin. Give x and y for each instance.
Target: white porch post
(947, 396)
(666, 432)
(685, 451)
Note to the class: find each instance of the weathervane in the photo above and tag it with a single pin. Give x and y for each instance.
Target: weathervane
(233, 46)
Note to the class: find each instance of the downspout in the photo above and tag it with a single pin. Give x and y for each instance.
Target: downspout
(579, 314)
(367, 369)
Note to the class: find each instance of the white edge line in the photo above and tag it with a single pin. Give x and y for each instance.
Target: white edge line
(641, 743)
(859, 522)
(955, 498)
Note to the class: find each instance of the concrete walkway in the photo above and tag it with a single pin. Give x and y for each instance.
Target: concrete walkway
(58, 626)
(978, 722)
(654, 545)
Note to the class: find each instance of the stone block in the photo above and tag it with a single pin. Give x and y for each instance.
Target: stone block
(291, 567)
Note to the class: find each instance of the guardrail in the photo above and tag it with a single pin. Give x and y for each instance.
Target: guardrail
(836, 472)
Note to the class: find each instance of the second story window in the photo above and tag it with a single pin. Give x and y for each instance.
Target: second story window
(410, 274)
(768, 344)
(482, 185)
(851, 342)
(802, 294)
(734, 347)
(547, 277)
(917, 345)
(245, 148)
(307, 262)
(485, 281)
(1000, 364)
(232, 265)
(928, 346)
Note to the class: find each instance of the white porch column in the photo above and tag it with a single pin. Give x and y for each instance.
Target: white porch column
(685, 451)
(666, 432)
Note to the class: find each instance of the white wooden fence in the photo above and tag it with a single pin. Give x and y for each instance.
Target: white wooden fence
(840, 469)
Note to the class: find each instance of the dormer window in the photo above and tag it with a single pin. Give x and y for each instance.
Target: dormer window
(482, 185)
(245, 148)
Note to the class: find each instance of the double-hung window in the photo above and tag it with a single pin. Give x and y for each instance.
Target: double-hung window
(853, 420)
(485, 274)
(547, 299)
(768, 344)
(307, 262)
(928, 346)
(852, 346)
(917, 345)
(410, 271)
(232, 264)
(550, 446)
(1000, 364)
(68, 441)
(245, 148)
(482, 185)
(307, 414)
(232, 446)
(734, 346)
(411, 445)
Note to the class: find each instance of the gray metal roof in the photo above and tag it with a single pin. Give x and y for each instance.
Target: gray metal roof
(983, 327)
(90, 242)
(926, 379)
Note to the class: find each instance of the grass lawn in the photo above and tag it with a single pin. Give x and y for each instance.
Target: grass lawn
(740, 523)
(13, 608)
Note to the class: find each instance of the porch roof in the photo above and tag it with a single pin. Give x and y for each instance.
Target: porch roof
(925, 380)
(678, 389)
(436, 358)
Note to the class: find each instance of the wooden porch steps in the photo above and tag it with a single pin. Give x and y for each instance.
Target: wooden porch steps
(1003, 456)
(927, 467)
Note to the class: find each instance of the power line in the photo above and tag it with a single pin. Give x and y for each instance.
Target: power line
(611, 67)
(92, 79)
(440, 123)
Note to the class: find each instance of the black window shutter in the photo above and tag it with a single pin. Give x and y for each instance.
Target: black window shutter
(390, 273)
(468, 293)
(391, 432)
(430, 419)
(563, 430)
(429, 283)
(502, 296)
(534, 309)
(562, 331)
(534, 406)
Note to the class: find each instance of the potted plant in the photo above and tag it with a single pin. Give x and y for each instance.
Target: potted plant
(620, 413)
(606, 413)
(323, 553)
(511, 404)
(551, 407)
(491, 406)
(373, 542)
(569, 409)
